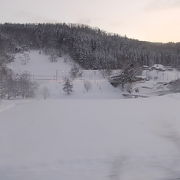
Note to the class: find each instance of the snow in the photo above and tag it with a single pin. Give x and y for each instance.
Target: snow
(161, 76)
(157, 80)
(51, 76)
(38, 64)
(159, 67)
(102, 139)
(5, 105)
(92, 134)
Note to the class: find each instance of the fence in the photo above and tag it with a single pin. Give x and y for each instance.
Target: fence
(62, 75)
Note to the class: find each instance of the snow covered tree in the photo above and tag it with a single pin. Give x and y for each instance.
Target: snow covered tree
(91, 48)
(25, 87)
(2, 90)
(68, 86)
(126, 77)
(75, 72)
(53, 55)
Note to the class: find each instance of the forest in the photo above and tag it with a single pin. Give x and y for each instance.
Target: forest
(91, 48)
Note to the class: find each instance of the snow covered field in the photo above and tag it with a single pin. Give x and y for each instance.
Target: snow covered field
(51, 75)
(105, 139)
(92, 134)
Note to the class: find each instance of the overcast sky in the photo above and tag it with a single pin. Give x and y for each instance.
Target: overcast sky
(152, 20)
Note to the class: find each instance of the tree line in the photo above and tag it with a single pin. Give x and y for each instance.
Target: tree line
(89, 47)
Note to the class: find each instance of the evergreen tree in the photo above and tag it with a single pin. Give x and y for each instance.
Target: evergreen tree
(68, 86)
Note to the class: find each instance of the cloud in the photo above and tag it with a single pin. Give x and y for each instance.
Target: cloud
(25, 16)
(162, 4)
(87, 21)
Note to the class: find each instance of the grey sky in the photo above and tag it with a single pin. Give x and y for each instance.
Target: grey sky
(154, 20)
(163, 4)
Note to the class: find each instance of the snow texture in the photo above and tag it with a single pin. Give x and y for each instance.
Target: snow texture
(71, 139)
(93, 134)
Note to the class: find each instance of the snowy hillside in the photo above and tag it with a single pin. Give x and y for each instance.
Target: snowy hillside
(39, 65)
(51, 75)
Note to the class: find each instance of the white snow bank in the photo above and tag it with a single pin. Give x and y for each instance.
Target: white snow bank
(6, 105)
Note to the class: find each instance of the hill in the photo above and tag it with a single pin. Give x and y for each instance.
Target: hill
(41, 57)
(91, 48)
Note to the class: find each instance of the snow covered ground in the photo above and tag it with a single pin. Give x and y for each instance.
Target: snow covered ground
(51, 76)
(105, 139)
(89, 135)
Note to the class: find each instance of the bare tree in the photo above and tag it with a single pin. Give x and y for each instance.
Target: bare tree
(75, 72)
(53, 55)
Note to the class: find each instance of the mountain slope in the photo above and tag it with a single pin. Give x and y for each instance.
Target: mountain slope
(91, 48)
(51, 76)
